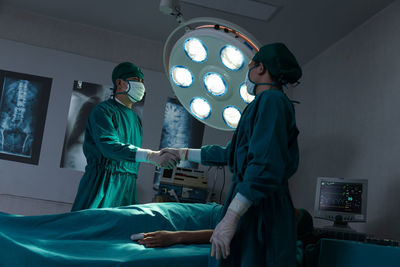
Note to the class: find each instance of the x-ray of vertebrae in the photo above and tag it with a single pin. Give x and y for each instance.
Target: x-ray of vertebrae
(18, 107)
(175, 127)
(180, 129)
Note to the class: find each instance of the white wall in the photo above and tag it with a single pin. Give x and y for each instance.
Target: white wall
(47, 181)
(349, 120)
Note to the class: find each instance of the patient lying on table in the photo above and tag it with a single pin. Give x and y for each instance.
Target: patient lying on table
(169, 238)
(101, 237)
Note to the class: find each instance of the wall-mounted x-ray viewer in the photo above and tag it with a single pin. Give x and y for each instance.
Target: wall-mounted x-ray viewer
(341, 200)
(206, 62)
(180, 129)
(23, 107)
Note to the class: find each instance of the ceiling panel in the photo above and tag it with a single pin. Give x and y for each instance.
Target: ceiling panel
(307, 27)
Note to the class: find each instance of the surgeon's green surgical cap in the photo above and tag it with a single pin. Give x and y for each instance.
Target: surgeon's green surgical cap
(126, 70)
(280, 62)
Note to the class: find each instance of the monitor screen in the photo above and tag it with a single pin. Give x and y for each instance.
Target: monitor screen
(341, 199)
(337, 196)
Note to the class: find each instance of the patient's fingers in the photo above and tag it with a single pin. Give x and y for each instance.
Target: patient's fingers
(150, 234)
(146, 240)
(153, 245)
(149, 239)
(150, 242)
(212, 249)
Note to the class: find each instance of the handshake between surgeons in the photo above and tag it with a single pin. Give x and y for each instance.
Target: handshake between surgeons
(168, 158)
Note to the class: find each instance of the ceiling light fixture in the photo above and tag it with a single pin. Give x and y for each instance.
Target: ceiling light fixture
(206, 59)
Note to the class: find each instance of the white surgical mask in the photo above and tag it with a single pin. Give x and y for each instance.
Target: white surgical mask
(251, 86)
(135, 90)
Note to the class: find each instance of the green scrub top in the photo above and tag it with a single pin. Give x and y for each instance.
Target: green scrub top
(113, 134)
(262, 155)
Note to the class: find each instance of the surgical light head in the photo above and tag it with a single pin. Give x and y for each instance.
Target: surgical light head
(205, 60)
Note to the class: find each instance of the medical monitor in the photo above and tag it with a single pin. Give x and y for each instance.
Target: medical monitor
(341, 200)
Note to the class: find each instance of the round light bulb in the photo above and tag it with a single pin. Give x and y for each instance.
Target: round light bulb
(181, 76)
(200, 108)
(231, 116)
(244, 94)
(215, 84)
(232, 58)
(195, 49)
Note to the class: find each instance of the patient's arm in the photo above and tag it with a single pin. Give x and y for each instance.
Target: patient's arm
(168, 238)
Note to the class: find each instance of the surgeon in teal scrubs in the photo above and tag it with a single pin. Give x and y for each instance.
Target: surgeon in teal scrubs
(257, 226)
(113, 138)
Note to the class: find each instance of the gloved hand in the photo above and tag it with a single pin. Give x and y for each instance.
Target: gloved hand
(226, 228)
(163, 160)
(223, 234)
(182, 153)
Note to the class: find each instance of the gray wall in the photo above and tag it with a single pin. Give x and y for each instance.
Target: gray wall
(47, 180)
(42, 47)
(31, 28)
(349, 120)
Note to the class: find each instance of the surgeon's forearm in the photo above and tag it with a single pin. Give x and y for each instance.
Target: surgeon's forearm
(116, 150)
(194, 237)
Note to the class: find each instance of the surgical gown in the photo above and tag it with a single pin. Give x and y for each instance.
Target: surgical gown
(113, 134)
(262, 155)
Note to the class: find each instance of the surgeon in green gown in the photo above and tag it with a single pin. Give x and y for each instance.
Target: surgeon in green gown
(257, 226)
(113, 138)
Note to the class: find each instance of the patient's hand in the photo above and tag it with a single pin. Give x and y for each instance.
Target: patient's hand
(159, 239)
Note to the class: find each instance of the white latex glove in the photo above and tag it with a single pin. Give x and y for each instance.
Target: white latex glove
(163, 160)
(226, 228)
(182, 153)
(223, 234)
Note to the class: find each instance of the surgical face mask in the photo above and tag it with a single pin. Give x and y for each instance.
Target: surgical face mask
(251, 86)
(135, 90)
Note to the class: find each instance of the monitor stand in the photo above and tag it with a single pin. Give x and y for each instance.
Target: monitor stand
(340, 226)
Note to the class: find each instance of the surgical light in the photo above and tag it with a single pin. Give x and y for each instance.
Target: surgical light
(205, 60)
(231, 116)
(181, 76)
(232, 58)
(200, 108)
(215, 84)
(244, 94)
(195, 50)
